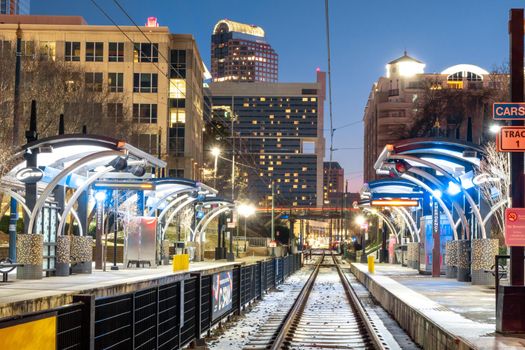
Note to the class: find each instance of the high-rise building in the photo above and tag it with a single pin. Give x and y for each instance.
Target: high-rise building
(160, 78)
(239, 52)
(14, 7)
(333, 181)
(395, 98)
(279, 128)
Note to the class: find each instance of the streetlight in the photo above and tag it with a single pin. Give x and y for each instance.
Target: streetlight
(361, 221)
(100, 197)
(495, 128)
(246, 210)
(216, 152)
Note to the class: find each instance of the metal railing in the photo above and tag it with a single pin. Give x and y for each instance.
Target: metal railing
(252, 241)
(167, 316)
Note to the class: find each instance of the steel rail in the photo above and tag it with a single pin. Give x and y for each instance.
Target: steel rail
(297, 306)
(378, 343)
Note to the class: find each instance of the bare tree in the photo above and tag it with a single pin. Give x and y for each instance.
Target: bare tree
(66, 88)
(494, 178)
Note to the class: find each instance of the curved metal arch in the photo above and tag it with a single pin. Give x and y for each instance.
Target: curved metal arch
(407, 223)
(385, 220)
(217, 211)
(441, 204)
(172, 204)
(18, 198)
(411, 219)
(172, 215)
(437, 155)
(66, 171)
(412, 143)
(494, 209)
(410, 223)
(439, 184)
(151, 211)
(82, 188)
(469, 199)
(221, 205)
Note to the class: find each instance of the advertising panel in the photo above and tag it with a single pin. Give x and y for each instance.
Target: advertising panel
(222, 293)
(38, 332)
(445, 233)
(140, 240)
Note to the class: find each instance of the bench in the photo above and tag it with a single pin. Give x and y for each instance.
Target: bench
(137, 263)
(6, 266)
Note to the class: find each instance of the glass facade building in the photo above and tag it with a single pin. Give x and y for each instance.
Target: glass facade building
(278, 129)
(239, 52)
(14, 7)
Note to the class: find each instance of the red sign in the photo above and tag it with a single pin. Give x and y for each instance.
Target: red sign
(515, 227)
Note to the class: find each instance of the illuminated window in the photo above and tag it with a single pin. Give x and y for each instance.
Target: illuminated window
(177, 116)
(296, 122)
(270, 168)
(305, 99)
(305, 168)
(263, 99)
(313, 99)
(246, 104)
(47, 50)
(288, 110)
(254, 122)
(177, 88)
(294, 186)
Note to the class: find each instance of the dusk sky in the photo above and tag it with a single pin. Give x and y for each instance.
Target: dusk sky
(365, 35)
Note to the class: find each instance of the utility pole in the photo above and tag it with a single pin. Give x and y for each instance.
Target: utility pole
(511, 299)
(273, 217)
(233, 150)
(13, 216)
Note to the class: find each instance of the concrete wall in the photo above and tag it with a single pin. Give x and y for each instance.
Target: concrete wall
(421, 329)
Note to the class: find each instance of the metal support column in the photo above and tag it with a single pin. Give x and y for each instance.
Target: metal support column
(510, 305)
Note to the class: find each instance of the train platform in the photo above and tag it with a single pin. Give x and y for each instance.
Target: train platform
(438, 313)
(24, 296)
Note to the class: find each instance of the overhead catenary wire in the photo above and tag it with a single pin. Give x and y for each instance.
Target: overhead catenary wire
(166, 74)
(327, 22)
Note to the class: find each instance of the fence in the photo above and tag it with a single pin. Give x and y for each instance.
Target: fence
(252, 241)
(168, 316)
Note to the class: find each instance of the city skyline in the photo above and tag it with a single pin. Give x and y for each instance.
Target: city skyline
(364, 37)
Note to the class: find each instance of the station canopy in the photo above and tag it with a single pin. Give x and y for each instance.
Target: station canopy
(59, 152)
(457, 158)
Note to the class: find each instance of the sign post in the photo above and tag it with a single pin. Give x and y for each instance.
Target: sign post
(510, 304)
(436, 251)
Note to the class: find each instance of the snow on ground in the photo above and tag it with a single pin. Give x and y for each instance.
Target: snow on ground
(236, 333)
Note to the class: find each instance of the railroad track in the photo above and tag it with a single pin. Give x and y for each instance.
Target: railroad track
(326, 314)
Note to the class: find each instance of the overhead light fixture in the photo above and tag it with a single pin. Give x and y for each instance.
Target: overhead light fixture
(138, 170)
(119, 163)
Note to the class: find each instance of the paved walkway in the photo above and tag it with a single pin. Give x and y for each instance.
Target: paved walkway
(20, 296)
(464, 310)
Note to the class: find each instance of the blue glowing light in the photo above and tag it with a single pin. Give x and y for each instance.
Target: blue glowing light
(453, 188)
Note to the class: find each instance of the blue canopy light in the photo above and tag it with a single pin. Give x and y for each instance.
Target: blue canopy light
(453, 188)
(466, 180)
(100, 196)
